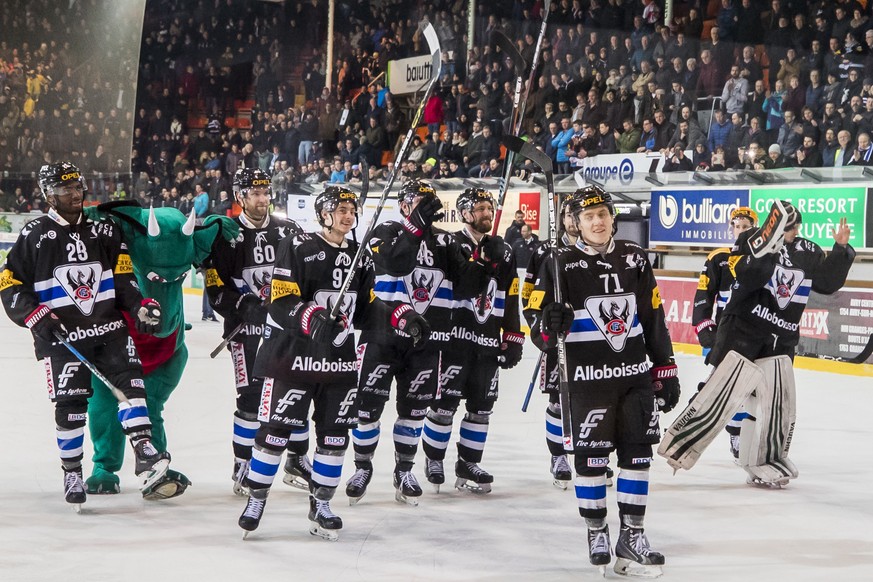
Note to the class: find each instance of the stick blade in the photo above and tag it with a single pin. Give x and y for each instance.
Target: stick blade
(505, 45)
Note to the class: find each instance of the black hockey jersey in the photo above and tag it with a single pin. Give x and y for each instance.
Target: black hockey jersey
(542, 254)
(243, 266)
(429, 273)
(479, 322)
(713, 287)
(619, 320)
(308, 268)
(82, 272)
(772, 291)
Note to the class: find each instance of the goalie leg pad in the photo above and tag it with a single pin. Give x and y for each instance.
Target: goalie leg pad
(727, 388)
(765, 436)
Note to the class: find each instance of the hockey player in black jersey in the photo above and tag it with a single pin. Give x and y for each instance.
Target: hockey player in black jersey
(308, 358)
(238, 276)
(485, 337)
(713, 292)
(424, 267)
(70, 277)
(619, 361)
(756, 337)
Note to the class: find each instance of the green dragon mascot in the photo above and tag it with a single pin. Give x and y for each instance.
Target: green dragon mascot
(163, 246)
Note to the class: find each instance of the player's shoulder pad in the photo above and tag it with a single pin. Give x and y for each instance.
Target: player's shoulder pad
(717, 252)
(290, 224)
(802, 244)
(35, 224)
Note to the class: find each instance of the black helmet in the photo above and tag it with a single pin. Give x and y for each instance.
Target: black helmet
(584, 198)
(331, 198)
(471, 197)
(246, 178)
(412, 188)
(794, 216)
(58, 174)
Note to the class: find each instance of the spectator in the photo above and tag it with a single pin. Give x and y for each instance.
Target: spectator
(808, 155)
(862, 154)
(735, 92)
(775, 160)
(790, 135)
(560, 144)
(719, 130)
(524, 246)
(513, 231)
(676, 160)
(648, 137)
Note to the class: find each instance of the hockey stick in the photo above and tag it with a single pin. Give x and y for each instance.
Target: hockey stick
(533, 381)
(527, 150)
(218, 349)
(506, 47)
(119, 395)
(433, 44)
(859, 359)
(365, 189)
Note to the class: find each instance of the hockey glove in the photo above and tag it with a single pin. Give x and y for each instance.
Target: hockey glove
(251, 310)
(407, 320)
(43, 323)
(510, 349)
(706, 333)
(491, 250)
(425, 214)
(316, 323)
(665, 383)
(557, 318)
(147, 316)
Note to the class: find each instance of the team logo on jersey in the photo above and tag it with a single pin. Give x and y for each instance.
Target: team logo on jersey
(343, 260)
(258, 280)
(81, 284)
(784, 284)
(423, 284)
(483, 304)
(613, 315)
(327, 299)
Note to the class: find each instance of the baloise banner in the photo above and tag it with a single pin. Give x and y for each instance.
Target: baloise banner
(821, 207)
(698, 217)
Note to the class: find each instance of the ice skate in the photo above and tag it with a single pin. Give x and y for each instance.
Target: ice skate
(407, 489)
(356, 486)
(434, 473)
(254, 511)
(735, 448)
(298, 471)
(471, 477)
(562, 475)
(240, 472)
(599, 547)
(74, 488)
(775, 475)
(173, 484)
(323, 522)
(150, 464)
(634, 557)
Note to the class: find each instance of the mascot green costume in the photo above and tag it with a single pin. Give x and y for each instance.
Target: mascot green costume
(163, 246)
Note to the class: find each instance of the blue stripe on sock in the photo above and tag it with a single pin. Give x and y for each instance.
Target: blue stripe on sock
(131, 413)
(590, 492)
(473, 435)
(330, 471)
(632, 487)
(441, 437)
(70, 444)
(409, 431)
(554, 429)
(263, 468)
(365, 434)
(246, 433)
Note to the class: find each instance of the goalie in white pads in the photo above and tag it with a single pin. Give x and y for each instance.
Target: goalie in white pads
(755, 344)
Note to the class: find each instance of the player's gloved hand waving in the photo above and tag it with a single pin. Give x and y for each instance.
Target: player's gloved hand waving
(706, 333)
(251, 310)
(510, 349)
(665, 383)
(43, 322)
(147, 316)
(425, 214)
(315, 322)
(407, 320)
(557, 318)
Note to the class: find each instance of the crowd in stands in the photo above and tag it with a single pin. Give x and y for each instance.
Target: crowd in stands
(730, 84)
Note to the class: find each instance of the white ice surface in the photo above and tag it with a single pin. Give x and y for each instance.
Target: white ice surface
(708, 523)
